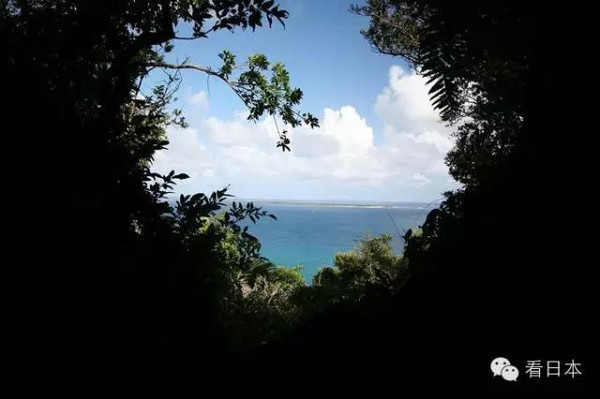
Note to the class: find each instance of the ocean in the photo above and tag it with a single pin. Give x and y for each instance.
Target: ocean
(310, 234)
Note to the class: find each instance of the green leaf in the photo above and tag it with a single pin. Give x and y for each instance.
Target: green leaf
(181, 176)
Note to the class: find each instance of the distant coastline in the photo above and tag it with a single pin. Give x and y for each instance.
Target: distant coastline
(347, 204)
(332, 203)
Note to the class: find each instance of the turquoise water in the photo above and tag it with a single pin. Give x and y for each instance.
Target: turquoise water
(310, 234)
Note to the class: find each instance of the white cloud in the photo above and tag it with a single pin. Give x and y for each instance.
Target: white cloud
(184, 151)
(240, 132)
(404, 103)
(199, 100)
(420, 179)
(339, 160)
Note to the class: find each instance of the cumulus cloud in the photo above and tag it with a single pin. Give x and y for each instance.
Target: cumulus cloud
(339, 160)
(199, 99)
(404, 104)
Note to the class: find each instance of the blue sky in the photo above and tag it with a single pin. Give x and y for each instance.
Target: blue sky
(379, 140)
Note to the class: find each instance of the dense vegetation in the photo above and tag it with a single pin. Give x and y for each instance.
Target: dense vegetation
(129, 271)
(142, 288)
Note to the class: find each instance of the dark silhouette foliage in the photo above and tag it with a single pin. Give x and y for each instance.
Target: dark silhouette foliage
(492, 270)
(132, 290)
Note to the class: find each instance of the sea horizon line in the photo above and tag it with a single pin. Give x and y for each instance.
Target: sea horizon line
(343, 203)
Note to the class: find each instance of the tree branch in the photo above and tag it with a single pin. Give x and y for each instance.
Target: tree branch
(202, 35)
(245, 90)
(231, 83)
(148, 39)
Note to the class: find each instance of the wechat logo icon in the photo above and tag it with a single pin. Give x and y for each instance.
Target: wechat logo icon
(501, 366)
